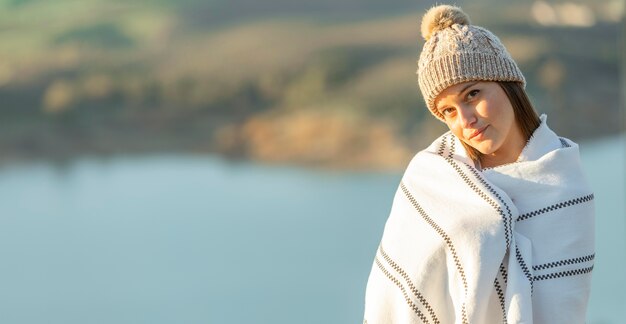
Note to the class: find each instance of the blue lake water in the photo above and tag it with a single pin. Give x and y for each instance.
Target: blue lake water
(197, 239)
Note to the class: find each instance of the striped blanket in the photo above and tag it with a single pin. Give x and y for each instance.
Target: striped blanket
(510, 244)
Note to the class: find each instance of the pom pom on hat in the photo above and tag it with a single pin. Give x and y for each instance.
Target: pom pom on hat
(442, 17)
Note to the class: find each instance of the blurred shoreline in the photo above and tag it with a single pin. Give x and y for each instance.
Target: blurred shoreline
(364, 165)
(296, 85)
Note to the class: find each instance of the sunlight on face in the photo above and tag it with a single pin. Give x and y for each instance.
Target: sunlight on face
(481, 115)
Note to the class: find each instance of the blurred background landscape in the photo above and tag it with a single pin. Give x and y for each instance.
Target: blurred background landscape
(235, 161)
(324, 83)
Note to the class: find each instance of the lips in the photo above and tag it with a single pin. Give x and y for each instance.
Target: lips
(478, 132)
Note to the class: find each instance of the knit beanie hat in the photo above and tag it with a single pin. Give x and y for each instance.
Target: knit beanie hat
(456, 51)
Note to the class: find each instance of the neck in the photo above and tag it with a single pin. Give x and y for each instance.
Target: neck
(493, 160)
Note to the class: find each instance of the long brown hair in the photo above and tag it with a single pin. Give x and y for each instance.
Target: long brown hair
(526, 117)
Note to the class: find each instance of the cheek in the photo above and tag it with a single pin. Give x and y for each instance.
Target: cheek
(488, 109)
(455, 129)
(502, 107)
(506, 116)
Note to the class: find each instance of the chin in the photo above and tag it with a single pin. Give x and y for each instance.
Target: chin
(485, 149)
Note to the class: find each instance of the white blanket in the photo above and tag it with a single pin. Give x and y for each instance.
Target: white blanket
(510, 244)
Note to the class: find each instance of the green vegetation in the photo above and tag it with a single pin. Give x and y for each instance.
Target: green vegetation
(101, 35)
(305, 86)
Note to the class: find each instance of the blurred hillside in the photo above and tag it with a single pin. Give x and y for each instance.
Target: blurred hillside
(328, 83)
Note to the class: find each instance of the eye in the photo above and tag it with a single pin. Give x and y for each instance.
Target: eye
(447, 112)
(472, 94)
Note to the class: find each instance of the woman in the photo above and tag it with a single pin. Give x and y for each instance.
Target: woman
(494, 221)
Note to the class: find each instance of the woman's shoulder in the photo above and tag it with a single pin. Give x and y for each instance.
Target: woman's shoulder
(543, 141)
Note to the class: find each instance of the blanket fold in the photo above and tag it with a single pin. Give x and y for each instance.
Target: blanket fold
(510, 244)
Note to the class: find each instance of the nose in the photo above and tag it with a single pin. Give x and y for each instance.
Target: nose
(467, 116)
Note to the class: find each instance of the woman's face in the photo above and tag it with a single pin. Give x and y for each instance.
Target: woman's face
(480, 114)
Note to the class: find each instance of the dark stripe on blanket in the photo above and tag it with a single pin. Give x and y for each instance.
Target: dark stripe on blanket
(554, 207)
(505, 276)
(451, 147)
(446, 239)
(503, 273)
(564, 274)
(442, 146)
(501, 298)
(529, 276)
(564, 143)
(507, 220)
(417, 294)
(564, 262)
(406, 296)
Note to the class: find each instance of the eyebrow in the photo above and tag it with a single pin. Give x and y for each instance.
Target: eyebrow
(467, 86)
(460, 92)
